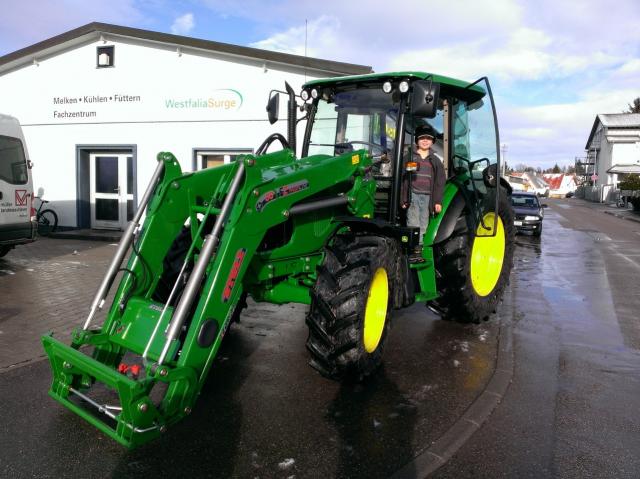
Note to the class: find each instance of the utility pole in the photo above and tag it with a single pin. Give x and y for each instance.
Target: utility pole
(503, 165)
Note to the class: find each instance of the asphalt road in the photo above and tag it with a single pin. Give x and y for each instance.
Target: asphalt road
(264, 412)
(570, 410)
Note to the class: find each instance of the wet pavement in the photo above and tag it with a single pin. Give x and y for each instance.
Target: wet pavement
(264, 412)
(569, 412)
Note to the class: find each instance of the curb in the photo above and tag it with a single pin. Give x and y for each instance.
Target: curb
(443, 449)
(623, 216)
(110, 237)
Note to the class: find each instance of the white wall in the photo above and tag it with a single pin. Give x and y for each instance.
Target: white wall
(160, 111)
(626, 153)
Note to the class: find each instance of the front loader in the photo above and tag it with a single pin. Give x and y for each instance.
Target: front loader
(328, 230)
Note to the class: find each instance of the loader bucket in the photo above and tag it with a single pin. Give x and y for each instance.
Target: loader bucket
(132, 421)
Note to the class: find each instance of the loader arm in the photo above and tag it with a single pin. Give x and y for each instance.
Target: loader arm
(228, 213)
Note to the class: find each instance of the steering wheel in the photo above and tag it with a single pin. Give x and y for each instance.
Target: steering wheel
(270, 139)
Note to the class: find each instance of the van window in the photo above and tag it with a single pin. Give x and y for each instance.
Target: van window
(13, 165)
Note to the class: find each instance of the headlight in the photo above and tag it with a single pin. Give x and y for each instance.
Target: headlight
(386, 87)
(531, 218)
(314, 93)
(304, 95)
(404, 86)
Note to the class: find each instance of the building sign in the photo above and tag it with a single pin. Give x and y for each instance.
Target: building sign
(221, 99)
(84, 106)
(153, 106)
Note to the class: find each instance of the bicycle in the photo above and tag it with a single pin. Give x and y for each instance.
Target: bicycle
(621, 201)
(47, 219)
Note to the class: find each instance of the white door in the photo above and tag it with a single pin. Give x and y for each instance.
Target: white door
(111, 177)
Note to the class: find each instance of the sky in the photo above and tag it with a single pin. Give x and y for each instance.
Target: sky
(553, 65)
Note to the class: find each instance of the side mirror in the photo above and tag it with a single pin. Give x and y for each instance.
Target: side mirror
(544, 205)
(273, 108)
(29, 164)
(424, 101)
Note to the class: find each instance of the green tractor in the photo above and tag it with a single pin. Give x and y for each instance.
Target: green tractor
(327, 229)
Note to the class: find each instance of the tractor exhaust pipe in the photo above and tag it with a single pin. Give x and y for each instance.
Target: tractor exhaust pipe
(292, 109)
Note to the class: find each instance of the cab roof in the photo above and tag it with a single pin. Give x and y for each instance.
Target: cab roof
(448, 86)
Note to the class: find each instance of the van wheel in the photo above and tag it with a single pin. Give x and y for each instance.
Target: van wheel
(349, 316)
(472, 271)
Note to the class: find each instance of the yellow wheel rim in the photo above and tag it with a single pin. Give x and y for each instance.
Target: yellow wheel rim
(375, 313)
(487, 255)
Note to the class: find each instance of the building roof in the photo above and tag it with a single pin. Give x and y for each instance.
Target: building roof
(554, 180)
(634, 169)
(95, 30)
(620, 120)
(614, 120)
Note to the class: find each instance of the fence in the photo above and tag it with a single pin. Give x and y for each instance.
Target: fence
(598, 194)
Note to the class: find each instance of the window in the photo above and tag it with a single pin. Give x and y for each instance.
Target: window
(525, 201)
(353, 120)
(212, 158)
(13, 165)
(105, 56)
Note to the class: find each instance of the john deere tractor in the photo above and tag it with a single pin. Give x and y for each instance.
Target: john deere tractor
(327, 229)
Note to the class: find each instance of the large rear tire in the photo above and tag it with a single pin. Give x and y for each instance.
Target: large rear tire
(472, 271)
(349, 316)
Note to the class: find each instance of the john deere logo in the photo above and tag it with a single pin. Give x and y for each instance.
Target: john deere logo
(223, 99)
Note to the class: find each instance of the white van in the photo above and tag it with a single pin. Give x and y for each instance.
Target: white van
(17, 217)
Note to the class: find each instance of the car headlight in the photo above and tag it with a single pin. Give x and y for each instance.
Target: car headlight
(531, 218)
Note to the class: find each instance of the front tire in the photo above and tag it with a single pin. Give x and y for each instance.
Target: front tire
(349, 316)
(538, 232)
(472, 270)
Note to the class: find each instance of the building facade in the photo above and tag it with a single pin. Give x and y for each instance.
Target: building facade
(98, 103)
(613, 152)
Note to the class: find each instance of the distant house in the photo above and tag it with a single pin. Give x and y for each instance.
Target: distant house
(613, 152)
(528, 181)
(560, 184)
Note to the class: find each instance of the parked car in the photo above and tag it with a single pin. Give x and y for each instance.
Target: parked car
(528, 212)
(17, 217)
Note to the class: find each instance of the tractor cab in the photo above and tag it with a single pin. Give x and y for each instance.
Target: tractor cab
(379, 113)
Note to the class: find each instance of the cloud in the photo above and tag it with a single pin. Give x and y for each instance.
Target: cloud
(321, 35)
(183, 24)
(553, 66)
